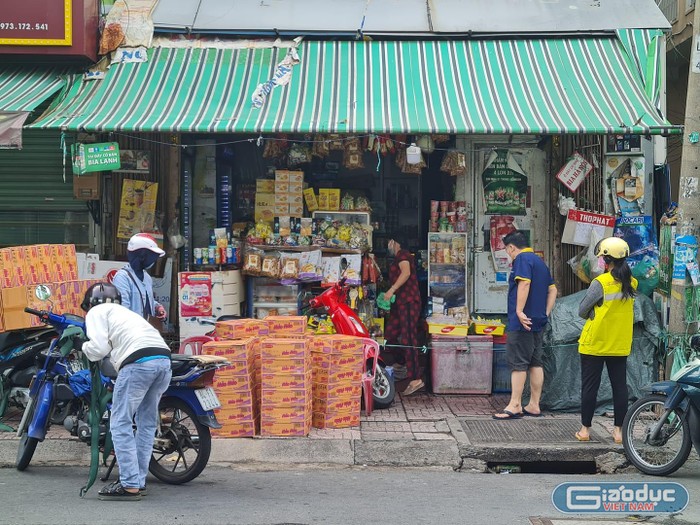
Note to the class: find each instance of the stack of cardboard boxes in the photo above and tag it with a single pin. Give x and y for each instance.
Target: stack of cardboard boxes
(282, 197)
(337, 365)
(50, 268)
(285, 378)
(235, 387)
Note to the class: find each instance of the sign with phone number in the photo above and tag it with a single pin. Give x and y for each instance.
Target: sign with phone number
(37, 23)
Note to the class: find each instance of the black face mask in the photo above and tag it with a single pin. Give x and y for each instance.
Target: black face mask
(139, 260)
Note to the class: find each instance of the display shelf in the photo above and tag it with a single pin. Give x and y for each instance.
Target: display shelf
(447, 269)
(337, 251)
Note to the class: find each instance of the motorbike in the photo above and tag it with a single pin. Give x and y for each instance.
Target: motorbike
(661, 428)
(59, 394)
(334, 302)
(18, 352)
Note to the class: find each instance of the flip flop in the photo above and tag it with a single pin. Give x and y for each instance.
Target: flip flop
(582, 438)
(412, 389)
(509, 414)
(531, 414)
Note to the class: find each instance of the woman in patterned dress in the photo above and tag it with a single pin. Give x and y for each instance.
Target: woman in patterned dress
(404, 317)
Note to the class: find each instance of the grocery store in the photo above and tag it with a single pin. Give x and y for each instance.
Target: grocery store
(288, 166)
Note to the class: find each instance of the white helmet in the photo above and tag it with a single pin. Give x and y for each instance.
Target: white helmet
(142, 241)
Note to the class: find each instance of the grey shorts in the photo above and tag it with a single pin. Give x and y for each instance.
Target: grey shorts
(524, 350)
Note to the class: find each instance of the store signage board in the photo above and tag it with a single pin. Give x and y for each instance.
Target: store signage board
(88, 158)
(581, 223)
(36, 23)
(574, 172)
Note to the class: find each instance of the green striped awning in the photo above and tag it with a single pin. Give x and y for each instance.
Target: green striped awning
(25, 88)
(580, 85)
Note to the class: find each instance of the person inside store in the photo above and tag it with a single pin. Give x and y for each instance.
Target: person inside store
(141, 357)
(606, 339)
(134, 283)
(531, 297)
(402, 330)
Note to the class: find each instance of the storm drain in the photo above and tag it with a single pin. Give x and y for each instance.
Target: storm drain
(542, 430)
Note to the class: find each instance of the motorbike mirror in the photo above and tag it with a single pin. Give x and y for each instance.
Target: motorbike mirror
(42, 292)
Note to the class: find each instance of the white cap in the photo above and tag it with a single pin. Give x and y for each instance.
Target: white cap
(142, 241)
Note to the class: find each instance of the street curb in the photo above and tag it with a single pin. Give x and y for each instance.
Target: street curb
(408, 453)
(51, 452)
(283, 450)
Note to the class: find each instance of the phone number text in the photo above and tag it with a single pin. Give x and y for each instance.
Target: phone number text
(20, 26)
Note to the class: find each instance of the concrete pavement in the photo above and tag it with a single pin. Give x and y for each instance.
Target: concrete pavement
(422, 430)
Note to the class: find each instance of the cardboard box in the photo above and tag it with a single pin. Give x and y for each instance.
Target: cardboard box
(282, 325)
(295, 188)
(285, 414)
(17, 262)
(285, 429)
(285, 381)
(336, 420)
(334, 405)
(236, 414)
(232, 383)
(337, 344)
(281, 210)
(282, 198)
(241, 329)
(448, 329)
(87, 187)
(235, 430)
(264, 207)
(310, 199)
(336, 391)
(274, 365)
(296, 210)
(295, 200)
(284, 348)
(337, 361)
(281, 176)
(233, 350)
(235, 400)
(264, 186)
(321, 375)
(296, 177)
(334, 200)
(281, 187)
(286, 397)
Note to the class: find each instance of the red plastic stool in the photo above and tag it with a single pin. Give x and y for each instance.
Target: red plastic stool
(371, 351)
(194, 344)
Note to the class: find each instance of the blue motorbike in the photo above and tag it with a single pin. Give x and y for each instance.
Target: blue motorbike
(661, 428)
(60, 392)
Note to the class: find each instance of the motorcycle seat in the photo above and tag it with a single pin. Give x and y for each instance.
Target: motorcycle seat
(9, 340)
(180, 364)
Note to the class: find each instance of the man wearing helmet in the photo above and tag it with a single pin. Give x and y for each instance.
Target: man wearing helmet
(606, 339)
(134, 283)
(141, 357)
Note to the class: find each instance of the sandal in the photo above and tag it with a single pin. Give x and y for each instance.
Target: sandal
(413, 387)
(582, 438)
(115, 492)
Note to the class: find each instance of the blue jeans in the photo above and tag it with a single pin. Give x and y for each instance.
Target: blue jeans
(135, 399)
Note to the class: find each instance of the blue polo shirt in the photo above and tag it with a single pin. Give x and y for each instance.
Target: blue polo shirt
(529, 267)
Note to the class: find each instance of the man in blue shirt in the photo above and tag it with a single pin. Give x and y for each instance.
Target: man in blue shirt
(531, 297)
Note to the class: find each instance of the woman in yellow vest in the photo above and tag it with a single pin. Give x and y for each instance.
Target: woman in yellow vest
(606, 339)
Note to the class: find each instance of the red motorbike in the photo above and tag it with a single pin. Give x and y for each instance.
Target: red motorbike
(334, 302)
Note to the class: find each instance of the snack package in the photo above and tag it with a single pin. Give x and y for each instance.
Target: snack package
(252, 264)
(353, 268)
(270, 266)
(289, 266)
(310, 265)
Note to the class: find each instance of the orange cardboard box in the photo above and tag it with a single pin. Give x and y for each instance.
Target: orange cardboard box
(310, 199)
(233, 350)
(328, 406)
(235, 430)
(336, 376)
(230, 383)
(336, 391)
(18, 265)
(284, 348)
(337, 361)
(234, 368)
(286, 429)
(241, 329)
(289, 381)
(283, 325)
(286, 397)
(285, 413)
(8, 278)
(337, 344)
(234, 414)
(274, 365)
(336, 420)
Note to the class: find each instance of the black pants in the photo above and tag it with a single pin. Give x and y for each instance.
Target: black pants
(591, 372)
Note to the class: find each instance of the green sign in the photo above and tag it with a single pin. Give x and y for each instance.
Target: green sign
(505, 185)
(88, 158)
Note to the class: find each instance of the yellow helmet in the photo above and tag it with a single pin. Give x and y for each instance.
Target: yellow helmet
(612, 247)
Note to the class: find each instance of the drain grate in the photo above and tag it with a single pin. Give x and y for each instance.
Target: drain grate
(544, 430)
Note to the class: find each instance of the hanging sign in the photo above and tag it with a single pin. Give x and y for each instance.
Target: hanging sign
(281, 77)
(665, 258)
(685, 253)
(574, 172)
(88, 158)
(505, 185)
(581, 223)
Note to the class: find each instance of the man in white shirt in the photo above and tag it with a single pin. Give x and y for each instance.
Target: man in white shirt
(142, 358)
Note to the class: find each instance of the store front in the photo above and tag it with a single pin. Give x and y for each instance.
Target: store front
(343, 118)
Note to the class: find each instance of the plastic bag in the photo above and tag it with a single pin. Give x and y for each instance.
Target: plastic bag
(585, 264)
(270, 266)
(176, 239)
(646, 272)
(252, 262)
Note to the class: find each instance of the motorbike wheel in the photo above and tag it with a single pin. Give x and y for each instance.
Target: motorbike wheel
(27, 445)
(182, 448)
(383, 389)
(664, 454)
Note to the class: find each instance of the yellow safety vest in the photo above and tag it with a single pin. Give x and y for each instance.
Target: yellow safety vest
(610, 332)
